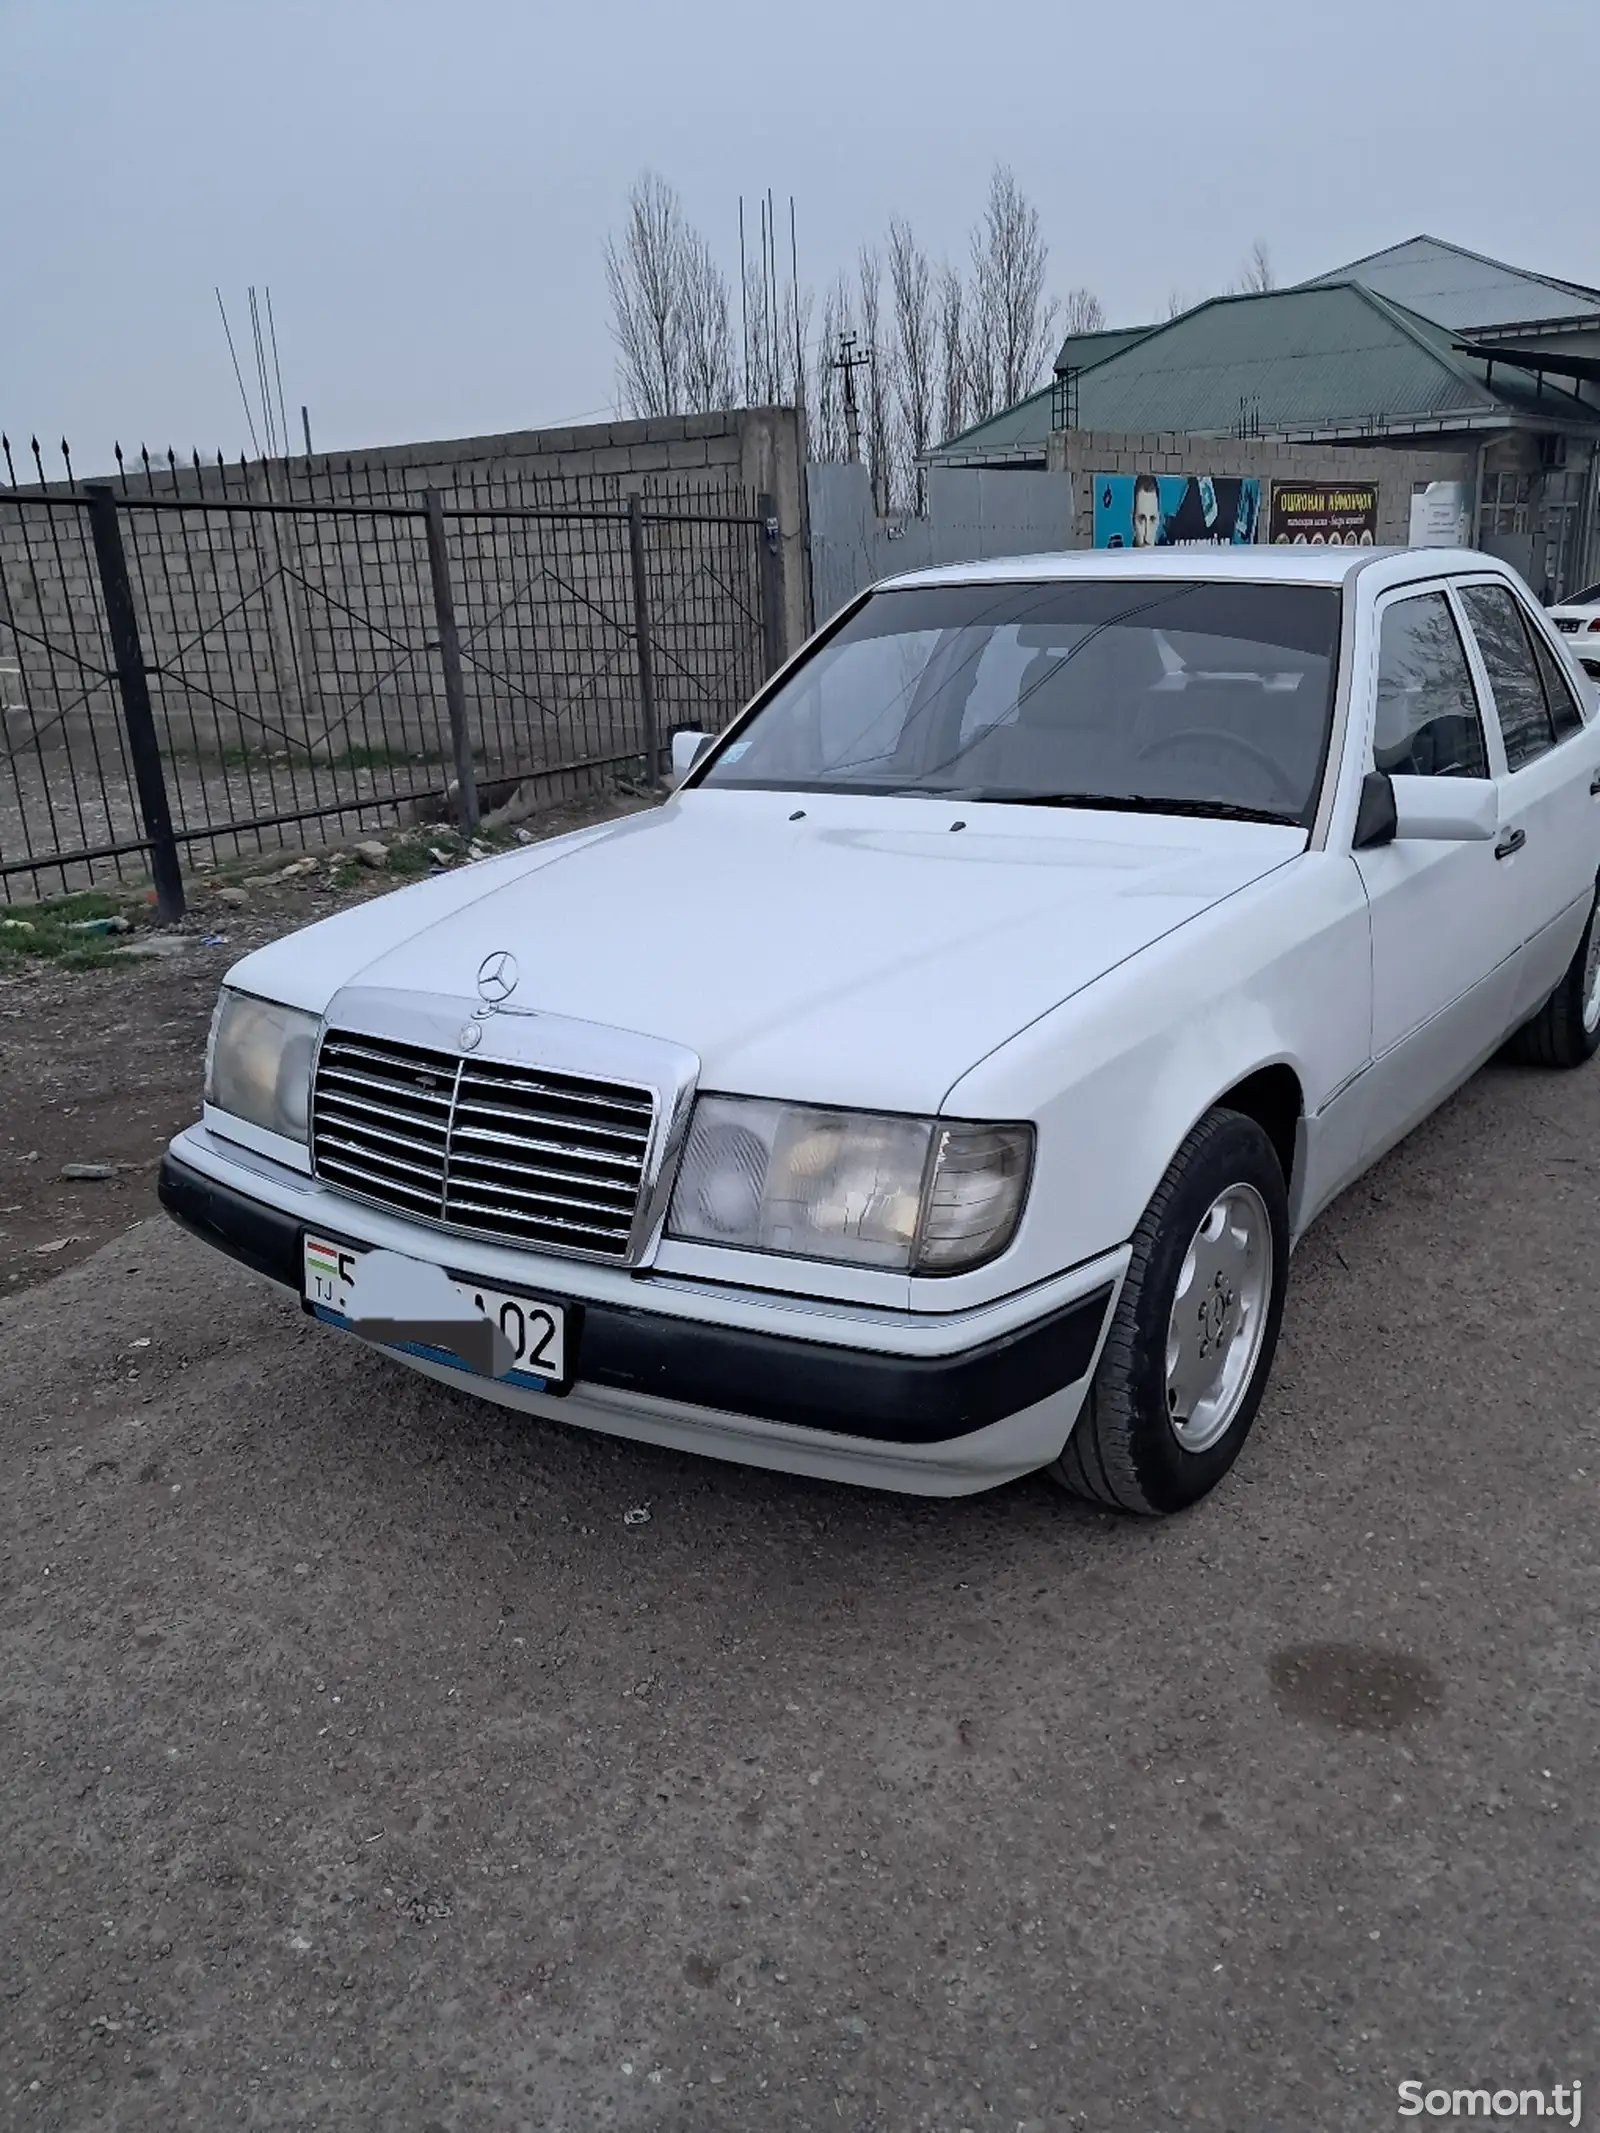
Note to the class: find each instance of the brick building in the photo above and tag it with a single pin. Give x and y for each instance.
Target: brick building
(1424, 369)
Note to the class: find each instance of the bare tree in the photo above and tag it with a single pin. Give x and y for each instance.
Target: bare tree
(914, 357)
(1256, 276)
(761, 355)
(776, 337)
(1082, 312)
(955, 396)
(1012, 316)
(869, 284)
(710, 377)
(671, 309)
(797, 331)
(825, 425)
(644, 274)
(1177, 303)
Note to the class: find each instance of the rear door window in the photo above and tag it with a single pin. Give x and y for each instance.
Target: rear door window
(1565, 715)
(1519, 696)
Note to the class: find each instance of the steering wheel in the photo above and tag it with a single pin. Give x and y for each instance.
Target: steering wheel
(1257, 755)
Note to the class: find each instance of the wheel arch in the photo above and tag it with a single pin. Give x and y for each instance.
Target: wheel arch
(1273, 1096)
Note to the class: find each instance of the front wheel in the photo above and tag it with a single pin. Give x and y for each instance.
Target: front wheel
(1566, 1030)
(1195, 1329)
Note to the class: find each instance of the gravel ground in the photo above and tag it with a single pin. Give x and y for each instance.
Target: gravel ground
(102, 1067)
(366, 1767)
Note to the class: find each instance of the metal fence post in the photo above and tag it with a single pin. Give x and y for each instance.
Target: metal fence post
(455, 693)
(641, 634)
(133, 684)
(769, 562)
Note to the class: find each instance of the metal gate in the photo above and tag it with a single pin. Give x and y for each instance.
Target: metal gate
(219, 669)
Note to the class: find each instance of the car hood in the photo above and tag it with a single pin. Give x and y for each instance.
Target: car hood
(841, 949)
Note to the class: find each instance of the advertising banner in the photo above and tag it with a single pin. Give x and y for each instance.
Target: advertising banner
(1174, 510)
(1324, 514)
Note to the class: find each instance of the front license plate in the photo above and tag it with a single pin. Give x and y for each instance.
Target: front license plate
(537, 1331)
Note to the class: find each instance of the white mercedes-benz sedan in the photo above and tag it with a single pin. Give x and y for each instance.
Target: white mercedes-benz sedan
(935, 1087)
(1578, 619)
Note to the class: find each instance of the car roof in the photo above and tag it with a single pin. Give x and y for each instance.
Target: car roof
(1257, 563)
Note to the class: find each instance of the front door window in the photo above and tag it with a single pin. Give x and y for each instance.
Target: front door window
(1428, 723)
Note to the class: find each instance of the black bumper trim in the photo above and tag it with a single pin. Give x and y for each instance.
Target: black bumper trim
(257, 1236)
(889, 1399)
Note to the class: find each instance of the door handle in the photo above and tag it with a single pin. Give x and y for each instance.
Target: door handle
(1594, 785)
(1512, 841)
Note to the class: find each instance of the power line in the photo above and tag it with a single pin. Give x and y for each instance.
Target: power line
(238, 373)
(283, 419)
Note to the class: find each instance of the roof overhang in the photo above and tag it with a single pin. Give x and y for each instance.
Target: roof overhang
(1526, 342)
(1023, 456)
(1531, 329)
(1558, 362)
(1467, 423)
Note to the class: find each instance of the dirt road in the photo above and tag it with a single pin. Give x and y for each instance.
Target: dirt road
(364, 1768)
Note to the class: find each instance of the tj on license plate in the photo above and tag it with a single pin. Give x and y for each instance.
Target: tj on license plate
(537, 1331)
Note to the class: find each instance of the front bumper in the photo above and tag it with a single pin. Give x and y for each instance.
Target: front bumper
(1584, 645)
(895, 1399)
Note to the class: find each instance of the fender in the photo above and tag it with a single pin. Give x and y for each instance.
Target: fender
(1279, 975)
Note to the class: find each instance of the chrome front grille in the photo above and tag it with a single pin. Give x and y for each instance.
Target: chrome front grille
(547, 1159)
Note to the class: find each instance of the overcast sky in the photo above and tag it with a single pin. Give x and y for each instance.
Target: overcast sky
(427, 184)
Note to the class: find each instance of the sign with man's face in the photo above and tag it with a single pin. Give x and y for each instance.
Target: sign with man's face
(1174, 510)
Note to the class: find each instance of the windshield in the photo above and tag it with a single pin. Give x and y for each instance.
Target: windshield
(1189, 698)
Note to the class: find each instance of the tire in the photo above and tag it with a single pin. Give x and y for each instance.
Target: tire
(1128, 1451)
(1566, 1030)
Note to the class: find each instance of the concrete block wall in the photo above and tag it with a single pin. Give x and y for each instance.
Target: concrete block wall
(314, 635)
(685, 449)
(1398, 470)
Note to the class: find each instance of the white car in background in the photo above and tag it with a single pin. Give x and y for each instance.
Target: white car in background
(934, 1088)
(1578, 620)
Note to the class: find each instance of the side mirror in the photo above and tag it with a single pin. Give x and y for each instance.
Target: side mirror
(1446, 810)
(687, 748)
(1425, 810)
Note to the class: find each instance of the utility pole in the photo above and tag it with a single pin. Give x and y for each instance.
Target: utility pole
(849, 360)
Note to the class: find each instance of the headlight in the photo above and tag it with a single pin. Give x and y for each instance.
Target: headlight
(908, 1194)
(258, 1065)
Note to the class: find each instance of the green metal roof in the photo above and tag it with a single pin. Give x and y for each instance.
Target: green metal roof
(1025, 426)
(1081, 351)
(1332, 356)
(1023, 429)
(1455, 287)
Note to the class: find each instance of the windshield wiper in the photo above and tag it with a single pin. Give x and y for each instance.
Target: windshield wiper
(1139, 803)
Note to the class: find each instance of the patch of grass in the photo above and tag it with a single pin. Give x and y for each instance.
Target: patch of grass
(81, 905)
(230, 756)
(382, 758)
(234, 755)
(410, 858)
(44, 932)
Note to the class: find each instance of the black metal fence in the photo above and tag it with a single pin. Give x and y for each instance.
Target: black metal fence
(192, 663)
